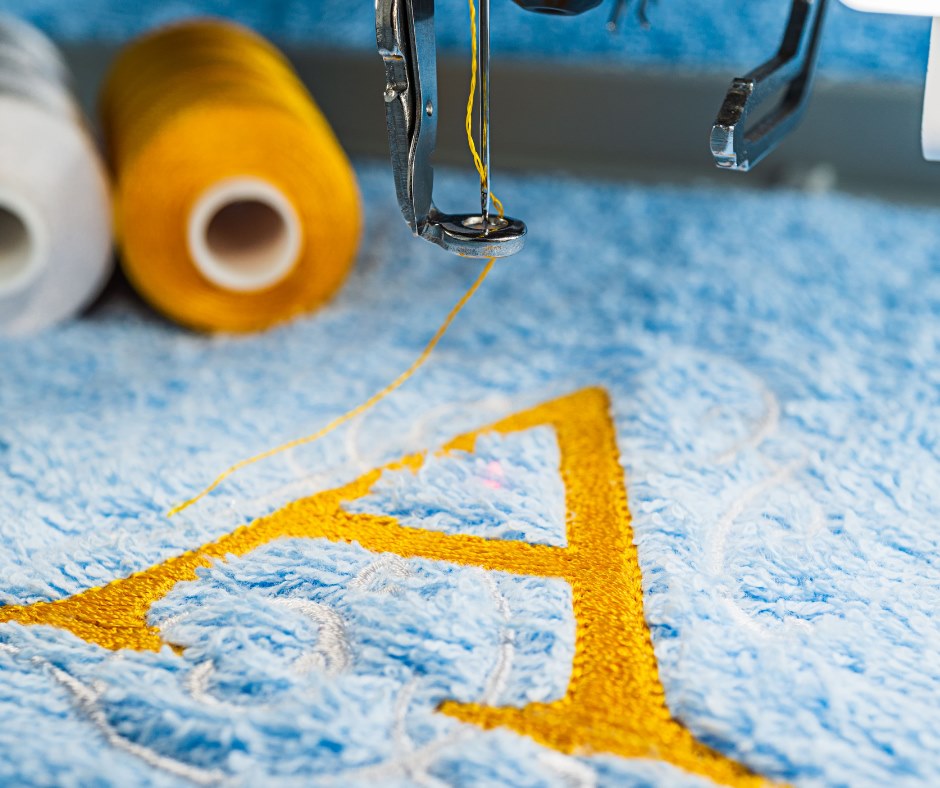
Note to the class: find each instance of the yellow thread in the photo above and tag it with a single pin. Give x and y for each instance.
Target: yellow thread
(469, 119)
(614, 703)
(204, 103)
(418, 363)
(359, 409)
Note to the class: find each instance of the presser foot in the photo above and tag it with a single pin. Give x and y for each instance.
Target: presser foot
(739, 145)
(469, 235)
(405, 35)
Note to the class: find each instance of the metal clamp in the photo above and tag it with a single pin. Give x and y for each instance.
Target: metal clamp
(791, 70)
(404, 31)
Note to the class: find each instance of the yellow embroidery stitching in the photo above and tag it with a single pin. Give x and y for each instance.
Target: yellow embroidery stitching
(615, 702)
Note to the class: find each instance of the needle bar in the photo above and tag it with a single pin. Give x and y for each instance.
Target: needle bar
(485, 109)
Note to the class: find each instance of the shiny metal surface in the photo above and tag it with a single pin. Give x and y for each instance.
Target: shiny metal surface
(738, 145)
(404, 32)
(558, 7)
(484, 48)
(469, 235)
(619, 6)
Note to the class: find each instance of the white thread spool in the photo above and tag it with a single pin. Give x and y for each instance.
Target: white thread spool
(55, 214)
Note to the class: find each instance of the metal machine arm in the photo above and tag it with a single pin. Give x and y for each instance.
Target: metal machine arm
(736, 147)
(405, 36)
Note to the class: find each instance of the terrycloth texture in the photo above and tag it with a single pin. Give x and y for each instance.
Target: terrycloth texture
(776, 397)
(723, 34)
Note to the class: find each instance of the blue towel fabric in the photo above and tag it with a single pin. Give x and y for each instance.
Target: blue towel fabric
(725, 34)
(772, 364)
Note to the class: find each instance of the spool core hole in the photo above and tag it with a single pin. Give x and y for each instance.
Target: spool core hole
(16, 249)
(244, 235)
(248, 237)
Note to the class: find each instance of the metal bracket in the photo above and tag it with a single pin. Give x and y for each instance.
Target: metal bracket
(791, 70)
(404, 32)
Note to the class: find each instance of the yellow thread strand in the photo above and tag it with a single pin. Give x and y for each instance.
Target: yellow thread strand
(469, 120)
(615, 702)
(422, 358)
(359, 409)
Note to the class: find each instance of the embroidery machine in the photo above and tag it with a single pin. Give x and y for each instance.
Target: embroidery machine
(741, 135)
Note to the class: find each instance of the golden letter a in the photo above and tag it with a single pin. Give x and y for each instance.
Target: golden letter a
(615, 701)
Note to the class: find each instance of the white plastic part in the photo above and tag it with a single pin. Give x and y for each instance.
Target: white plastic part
(24, 244)
(906, 7)
(244, 235)
(930, 124)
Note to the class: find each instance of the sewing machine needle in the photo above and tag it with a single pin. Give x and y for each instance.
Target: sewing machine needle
(485, 110)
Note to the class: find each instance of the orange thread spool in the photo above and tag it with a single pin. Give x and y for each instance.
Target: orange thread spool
(235, 206)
